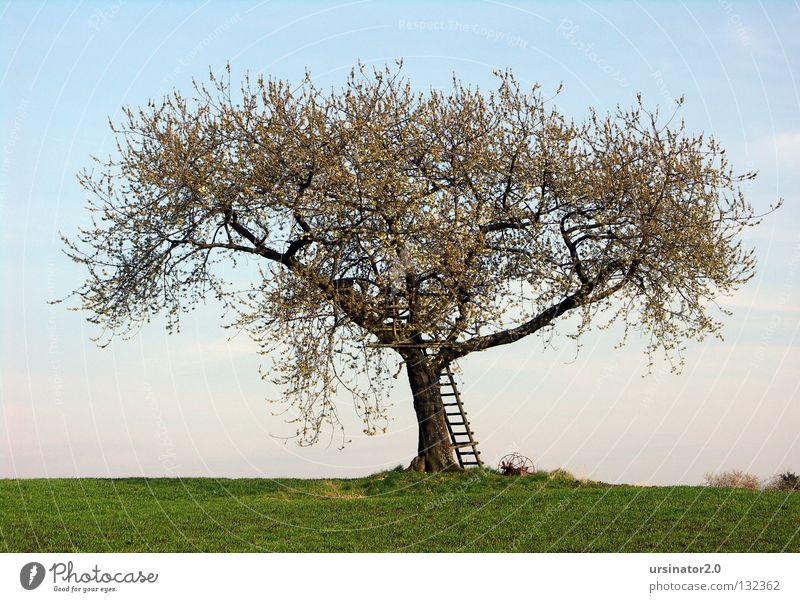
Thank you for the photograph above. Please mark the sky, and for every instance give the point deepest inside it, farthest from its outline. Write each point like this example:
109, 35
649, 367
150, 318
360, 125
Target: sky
193, 403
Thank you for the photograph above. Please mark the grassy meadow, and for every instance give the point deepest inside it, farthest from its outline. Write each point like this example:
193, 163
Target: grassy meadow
477, 511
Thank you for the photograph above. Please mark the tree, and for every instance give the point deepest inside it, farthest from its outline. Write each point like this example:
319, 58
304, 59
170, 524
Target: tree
391, 227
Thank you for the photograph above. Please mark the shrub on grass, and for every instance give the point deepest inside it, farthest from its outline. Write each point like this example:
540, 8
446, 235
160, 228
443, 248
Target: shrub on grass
736, 479
786, 481
559, 474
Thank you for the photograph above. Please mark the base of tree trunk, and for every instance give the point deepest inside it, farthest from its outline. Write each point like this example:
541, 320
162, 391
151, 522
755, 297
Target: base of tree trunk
432, 463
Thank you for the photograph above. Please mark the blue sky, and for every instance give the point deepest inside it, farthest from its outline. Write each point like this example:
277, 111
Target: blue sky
193, 404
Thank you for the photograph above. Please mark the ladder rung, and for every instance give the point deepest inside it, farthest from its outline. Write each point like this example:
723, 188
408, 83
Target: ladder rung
449, 394
458, 423
464, 434
470, 452
450, 404
470, 464
455, 414
465, 444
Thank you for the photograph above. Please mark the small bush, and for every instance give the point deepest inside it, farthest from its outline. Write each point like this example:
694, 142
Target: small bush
786, 481
559, 474
733, 478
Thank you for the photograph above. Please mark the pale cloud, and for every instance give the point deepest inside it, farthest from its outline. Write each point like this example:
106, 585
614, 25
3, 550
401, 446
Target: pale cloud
757, 303
781, 149
787, 144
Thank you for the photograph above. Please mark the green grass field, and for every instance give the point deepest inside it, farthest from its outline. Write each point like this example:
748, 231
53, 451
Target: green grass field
393, 511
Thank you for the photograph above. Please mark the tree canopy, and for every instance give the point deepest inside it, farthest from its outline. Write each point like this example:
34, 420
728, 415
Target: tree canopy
391, 224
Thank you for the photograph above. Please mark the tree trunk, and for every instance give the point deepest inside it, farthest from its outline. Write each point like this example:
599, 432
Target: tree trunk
434, 451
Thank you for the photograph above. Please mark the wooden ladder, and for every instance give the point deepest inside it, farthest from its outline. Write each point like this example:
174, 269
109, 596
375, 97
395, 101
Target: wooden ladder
464, 444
